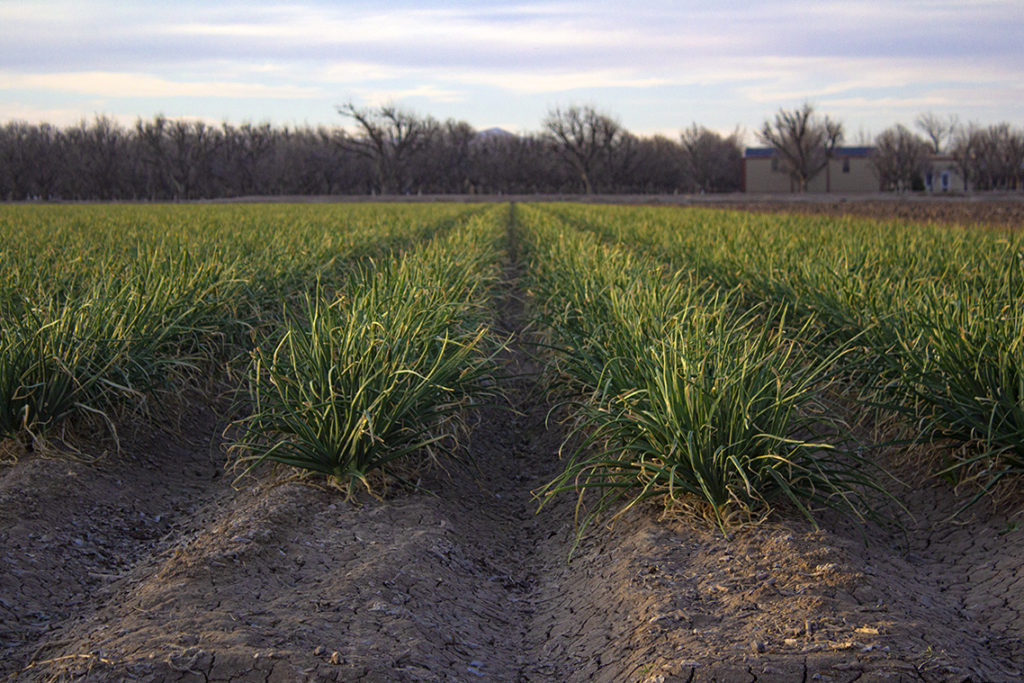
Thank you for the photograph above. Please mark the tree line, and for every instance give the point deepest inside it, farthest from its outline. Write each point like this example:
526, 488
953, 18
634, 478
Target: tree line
987, 157
388, 150
391, 151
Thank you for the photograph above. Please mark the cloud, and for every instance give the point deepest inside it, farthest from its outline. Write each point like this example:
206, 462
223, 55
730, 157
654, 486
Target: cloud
532, 82
914, 104
812, 78
317, 26
111, 84
1008, 98
358, 72
57, 116
427, 92
63, 117
657, 62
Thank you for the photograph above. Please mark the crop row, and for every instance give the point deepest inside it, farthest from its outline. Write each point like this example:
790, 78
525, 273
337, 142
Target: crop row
382, 368
932, 317
685, 392
701, 348
100, 306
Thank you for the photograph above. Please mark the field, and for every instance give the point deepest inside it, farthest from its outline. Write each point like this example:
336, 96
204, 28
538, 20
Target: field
526, 441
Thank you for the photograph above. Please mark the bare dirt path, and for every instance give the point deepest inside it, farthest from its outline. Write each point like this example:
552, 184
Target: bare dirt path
151, 567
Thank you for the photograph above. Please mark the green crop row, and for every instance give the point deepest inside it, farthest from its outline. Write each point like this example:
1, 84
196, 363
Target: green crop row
687, 393
704, 342
102, 305
383, 367
934, 315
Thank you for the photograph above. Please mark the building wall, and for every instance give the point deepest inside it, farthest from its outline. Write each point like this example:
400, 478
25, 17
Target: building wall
943, 176
759, 176
845, 174
849, 173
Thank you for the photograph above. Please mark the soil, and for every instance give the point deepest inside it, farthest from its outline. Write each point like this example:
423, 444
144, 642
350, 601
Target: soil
151, 565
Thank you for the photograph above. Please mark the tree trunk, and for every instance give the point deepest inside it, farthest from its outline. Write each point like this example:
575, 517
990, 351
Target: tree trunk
587, 187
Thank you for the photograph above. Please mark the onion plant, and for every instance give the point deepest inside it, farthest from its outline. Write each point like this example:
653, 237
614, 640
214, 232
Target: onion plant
688, 395
126, 335
959, 357
382, 369
931, 314
101, 305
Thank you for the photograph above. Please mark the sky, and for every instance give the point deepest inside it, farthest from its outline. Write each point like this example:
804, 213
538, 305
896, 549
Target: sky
657, 66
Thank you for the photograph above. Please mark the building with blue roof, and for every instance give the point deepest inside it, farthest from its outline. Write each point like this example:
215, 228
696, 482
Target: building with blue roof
849, 171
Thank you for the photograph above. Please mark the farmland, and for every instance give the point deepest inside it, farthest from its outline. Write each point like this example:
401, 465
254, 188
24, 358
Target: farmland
512, 442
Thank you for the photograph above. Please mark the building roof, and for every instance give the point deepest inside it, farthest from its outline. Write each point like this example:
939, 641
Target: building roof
854, 151
768, 152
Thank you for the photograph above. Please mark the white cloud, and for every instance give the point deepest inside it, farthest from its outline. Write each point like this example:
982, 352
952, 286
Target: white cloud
788, 80
1007, 97
112, 84
57, 116
63, 117
658, 62
532, 82
50, 12
358, 72
427, 92
317, 26
915, 104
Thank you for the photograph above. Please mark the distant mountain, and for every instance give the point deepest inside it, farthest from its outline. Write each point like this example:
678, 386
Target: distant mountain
495, 133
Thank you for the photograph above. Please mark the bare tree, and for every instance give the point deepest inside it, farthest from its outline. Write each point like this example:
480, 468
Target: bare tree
389, 137
314, 162
659, 167
804, 142
151, 147
95, 151
992, 156
502, 163
1013, 155
189, 149
964, 146
33, 161
620, 163
900, 158
937, 129
715, 163
443, 165
585, 137
988, 162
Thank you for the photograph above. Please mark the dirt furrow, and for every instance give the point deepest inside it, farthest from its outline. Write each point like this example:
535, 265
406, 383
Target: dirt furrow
69, 527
